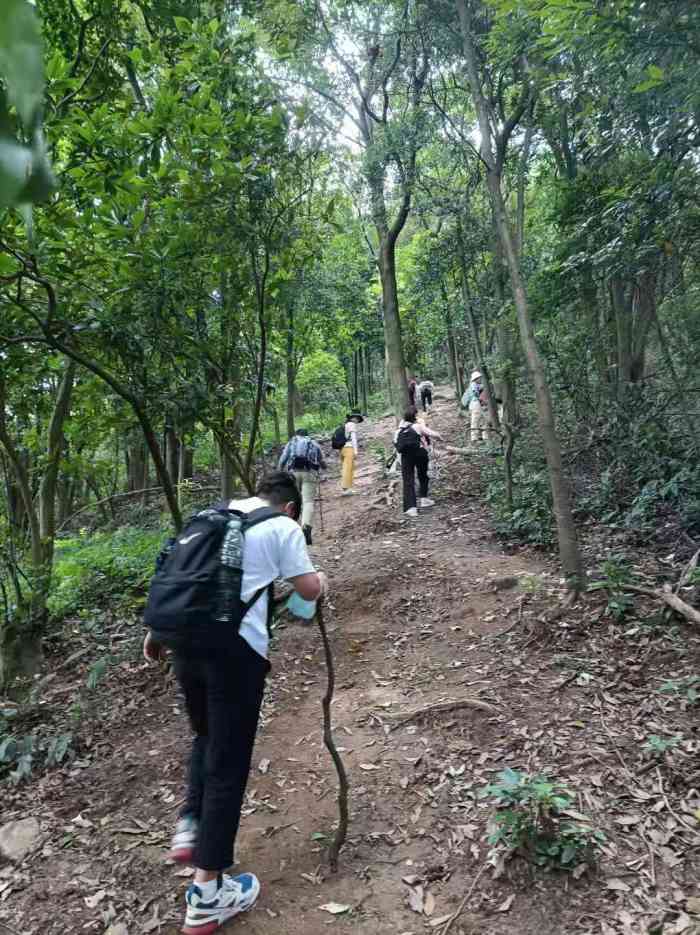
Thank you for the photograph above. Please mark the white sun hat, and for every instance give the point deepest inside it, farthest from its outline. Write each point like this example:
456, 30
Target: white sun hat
475, 375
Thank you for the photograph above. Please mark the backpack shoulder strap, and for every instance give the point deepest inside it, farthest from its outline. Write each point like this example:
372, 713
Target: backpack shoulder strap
260, 515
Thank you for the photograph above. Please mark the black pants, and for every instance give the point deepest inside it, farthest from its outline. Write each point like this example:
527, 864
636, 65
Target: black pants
426, 397
412, 463
223, 693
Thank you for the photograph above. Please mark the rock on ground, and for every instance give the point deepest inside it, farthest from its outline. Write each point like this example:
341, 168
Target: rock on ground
18, 838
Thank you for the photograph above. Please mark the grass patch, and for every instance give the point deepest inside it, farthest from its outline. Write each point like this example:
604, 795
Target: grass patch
92, 569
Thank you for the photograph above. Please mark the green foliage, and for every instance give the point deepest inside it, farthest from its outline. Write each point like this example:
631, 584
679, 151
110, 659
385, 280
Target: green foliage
90, 570
687, 688
97, 672
530, 821
25, 175
616, 574
321, 381
658, 746
531, 518
21, 754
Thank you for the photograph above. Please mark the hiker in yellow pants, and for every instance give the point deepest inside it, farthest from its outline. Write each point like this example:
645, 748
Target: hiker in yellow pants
348, 453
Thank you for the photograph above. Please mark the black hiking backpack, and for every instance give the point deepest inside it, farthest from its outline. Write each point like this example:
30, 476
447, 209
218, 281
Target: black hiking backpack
339, 439
194, 599
407, 440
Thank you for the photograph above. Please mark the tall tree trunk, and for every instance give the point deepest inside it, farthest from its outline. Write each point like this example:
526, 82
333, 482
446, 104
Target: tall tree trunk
291, 373
396, 363
455, 371
621, 301
476, 337
54, 450
22, 631
644, 320
490, 149
363, 378
228, 475
172, 452
185, 466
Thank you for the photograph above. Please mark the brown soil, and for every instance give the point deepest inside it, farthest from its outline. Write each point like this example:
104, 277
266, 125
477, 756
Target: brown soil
418, 615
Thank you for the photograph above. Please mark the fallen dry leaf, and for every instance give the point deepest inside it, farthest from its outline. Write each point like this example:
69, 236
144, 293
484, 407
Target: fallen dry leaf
415, 899
92, 901
264, 765
506, 904
429, 904
369, 766
619, 885
335, 909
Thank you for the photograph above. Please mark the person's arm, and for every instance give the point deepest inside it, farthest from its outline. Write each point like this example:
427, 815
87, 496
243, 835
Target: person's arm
295, 565
353, 439
424, 430
283, 457
321, 460
310, 586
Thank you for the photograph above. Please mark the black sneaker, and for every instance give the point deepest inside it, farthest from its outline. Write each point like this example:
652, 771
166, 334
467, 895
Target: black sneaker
307, 534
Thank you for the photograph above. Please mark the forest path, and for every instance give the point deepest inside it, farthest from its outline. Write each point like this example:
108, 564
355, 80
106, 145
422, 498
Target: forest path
417, 614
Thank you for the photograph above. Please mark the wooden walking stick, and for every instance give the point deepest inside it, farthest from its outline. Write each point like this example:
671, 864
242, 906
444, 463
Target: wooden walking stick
320, 502
342, 829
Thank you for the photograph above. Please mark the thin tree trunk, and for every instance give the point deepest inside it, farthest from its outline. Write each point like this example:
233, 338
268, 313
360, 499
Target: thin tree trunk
54, 449
172, 452
566, 529
291, 373
476, 338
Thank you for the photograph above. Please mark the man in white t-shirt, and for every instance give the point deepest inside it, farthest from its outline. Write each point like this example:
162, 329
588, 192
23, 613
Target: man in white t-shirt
223, 693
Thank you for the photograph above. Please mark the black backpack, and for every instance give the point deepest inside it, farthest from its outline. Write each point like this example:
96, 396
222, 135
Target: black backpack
339, 439
407, 440
194, 600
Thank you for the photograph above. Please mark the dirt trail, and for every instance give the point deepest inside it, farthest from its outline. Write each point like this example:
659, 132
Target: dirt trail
417, 612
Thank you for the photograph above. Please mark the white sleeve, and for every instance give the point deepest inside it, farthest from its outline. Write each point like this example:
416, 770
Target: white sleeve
293, 556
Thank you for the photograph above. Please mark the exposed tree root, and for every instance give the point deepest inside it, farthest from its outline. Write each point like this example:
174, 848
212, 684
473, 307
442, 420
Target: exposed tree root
440, 707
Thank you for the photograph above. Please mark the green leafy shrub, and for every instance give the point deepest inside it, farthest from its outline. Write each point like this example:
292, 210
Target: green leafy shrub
616, 574
21, 754
531, 519
321, 382
91, 569
657, 746
530, 822
687, 688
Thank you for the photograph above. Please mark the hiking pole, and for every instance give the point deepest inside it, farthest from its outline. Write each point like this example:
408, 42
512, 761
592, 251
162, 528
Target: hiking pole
342, 829
320, 503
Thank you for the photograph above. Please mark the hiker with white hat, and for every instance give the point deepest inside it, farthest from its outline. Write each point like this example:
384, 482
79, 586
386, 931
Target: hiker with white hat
474, 401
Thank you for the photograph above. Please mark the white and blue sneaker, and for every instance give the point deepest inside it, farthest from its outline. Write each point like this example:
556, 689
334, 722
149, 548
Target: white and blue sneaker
234, 895
184, 840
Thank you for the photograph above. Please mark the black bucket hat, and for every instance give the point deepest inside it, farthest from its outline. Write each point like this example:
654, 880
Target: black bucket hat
355, 415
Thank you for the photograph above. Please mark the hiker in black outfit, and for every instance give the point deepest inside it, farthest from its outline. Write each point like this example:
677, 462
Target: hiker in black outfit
411, 440
219, 634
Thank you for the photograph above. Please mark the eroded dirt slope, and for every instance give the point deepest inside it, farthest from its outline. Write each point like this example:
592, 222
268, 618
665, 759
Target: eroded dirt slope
424, 612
